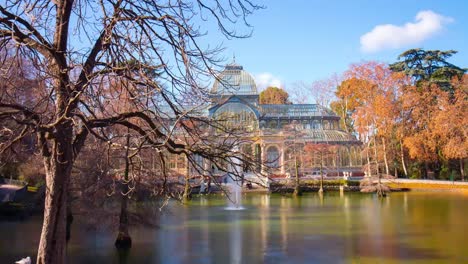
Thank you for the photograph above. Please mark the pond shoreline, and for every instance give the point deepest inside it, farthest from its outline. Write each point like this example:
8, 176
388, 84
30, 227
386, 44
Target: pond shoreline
395, 185
427, 185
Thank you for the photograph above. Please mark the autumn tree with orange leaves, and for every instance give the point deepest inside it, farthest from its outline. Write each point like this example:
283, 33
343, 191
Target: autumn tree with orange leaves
410, 116
450, 124
433, 111
436, 124
367, 102
348, 101
274, 95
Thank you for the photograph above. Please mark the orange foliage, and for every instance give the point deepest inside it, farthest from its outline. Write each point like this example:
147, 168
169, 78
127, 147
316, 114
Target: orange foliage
274, 95
430, 122
420, 104
371, 90
437, 121
450, 123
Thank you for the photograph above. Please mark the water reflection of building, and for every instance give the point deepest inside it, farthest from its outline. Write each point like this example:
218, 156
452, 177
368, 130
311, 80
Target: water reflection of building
277, 131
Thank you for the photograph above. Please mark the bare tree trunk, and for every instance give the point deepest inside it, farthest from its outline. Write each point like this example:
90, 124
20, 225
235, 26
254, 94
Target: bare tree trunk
368, 160
297, 189
335, 164
387, 171
69, 222
58, 166
377, 169
186, 195
380, 190
462, 171
344, 116
321, 173
403, 164
426, 170
124, 241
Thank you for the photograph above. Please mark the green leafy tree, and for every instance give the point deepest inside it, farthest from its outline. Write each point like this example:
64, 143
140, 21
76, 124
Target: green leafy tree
274, 95
428, 66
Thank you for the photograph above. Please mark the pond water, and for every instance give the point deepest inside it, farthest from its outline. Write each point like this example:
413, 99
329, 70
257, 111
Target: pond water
412, 227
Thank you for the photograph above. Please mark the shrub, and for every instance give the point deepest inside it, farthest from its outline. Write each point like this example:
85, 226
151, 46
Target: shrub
32, 171
331, 183
9, 170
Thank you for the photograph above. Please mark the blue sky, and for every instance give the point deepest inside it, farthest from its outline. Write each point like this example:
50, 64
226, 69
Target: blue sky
310, 40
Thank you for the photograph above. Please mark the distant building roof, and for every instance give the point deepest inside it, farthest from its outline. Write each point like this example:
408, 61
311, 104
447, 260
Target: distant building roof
328, 136
234, 80
294, 110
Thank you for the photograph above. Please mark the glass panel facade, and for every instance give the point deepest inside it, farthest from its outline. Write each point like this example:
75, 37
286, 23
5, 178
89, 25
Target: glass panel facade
273, 157
297, 110
234, 80
237, 116
235, 106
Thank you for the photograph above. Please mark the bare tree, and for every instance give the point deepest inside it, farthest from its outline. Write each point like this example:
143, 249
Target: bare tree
77, 48
295, 153
320, 153
299, 92
322, 91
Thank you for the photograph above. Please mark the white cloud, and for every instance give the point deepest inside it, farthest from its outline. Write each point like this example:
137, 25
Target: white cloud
265, 79
427, 23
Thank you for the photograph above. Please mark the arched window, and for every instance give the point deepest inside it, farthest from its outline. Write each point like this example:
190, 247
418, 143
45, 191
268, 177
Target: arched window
284, 124
356, 155
272, 124
315, 124
345, 156
272, 156
352, 156
237, 116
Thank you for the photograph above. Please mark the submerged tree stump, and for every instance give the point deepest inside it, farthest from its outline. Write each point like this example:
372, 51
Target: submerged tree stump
123, 241
369, 185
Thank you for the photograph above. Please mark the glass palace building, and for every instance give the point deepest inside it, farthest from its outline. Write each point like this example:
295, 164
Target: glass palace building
280, 133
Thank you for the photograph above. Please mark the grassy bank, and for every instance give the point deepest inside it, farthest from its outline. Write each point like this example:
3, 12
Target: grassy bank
428, 185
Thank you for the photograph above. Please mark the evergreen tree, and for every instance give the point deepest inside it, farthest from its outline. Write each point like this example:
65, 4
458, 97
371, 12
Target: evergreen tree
428, 66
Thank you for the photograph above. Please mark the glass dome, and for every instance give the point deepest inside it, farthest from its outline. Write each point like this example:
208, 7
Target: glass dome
234, 80
237, 116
